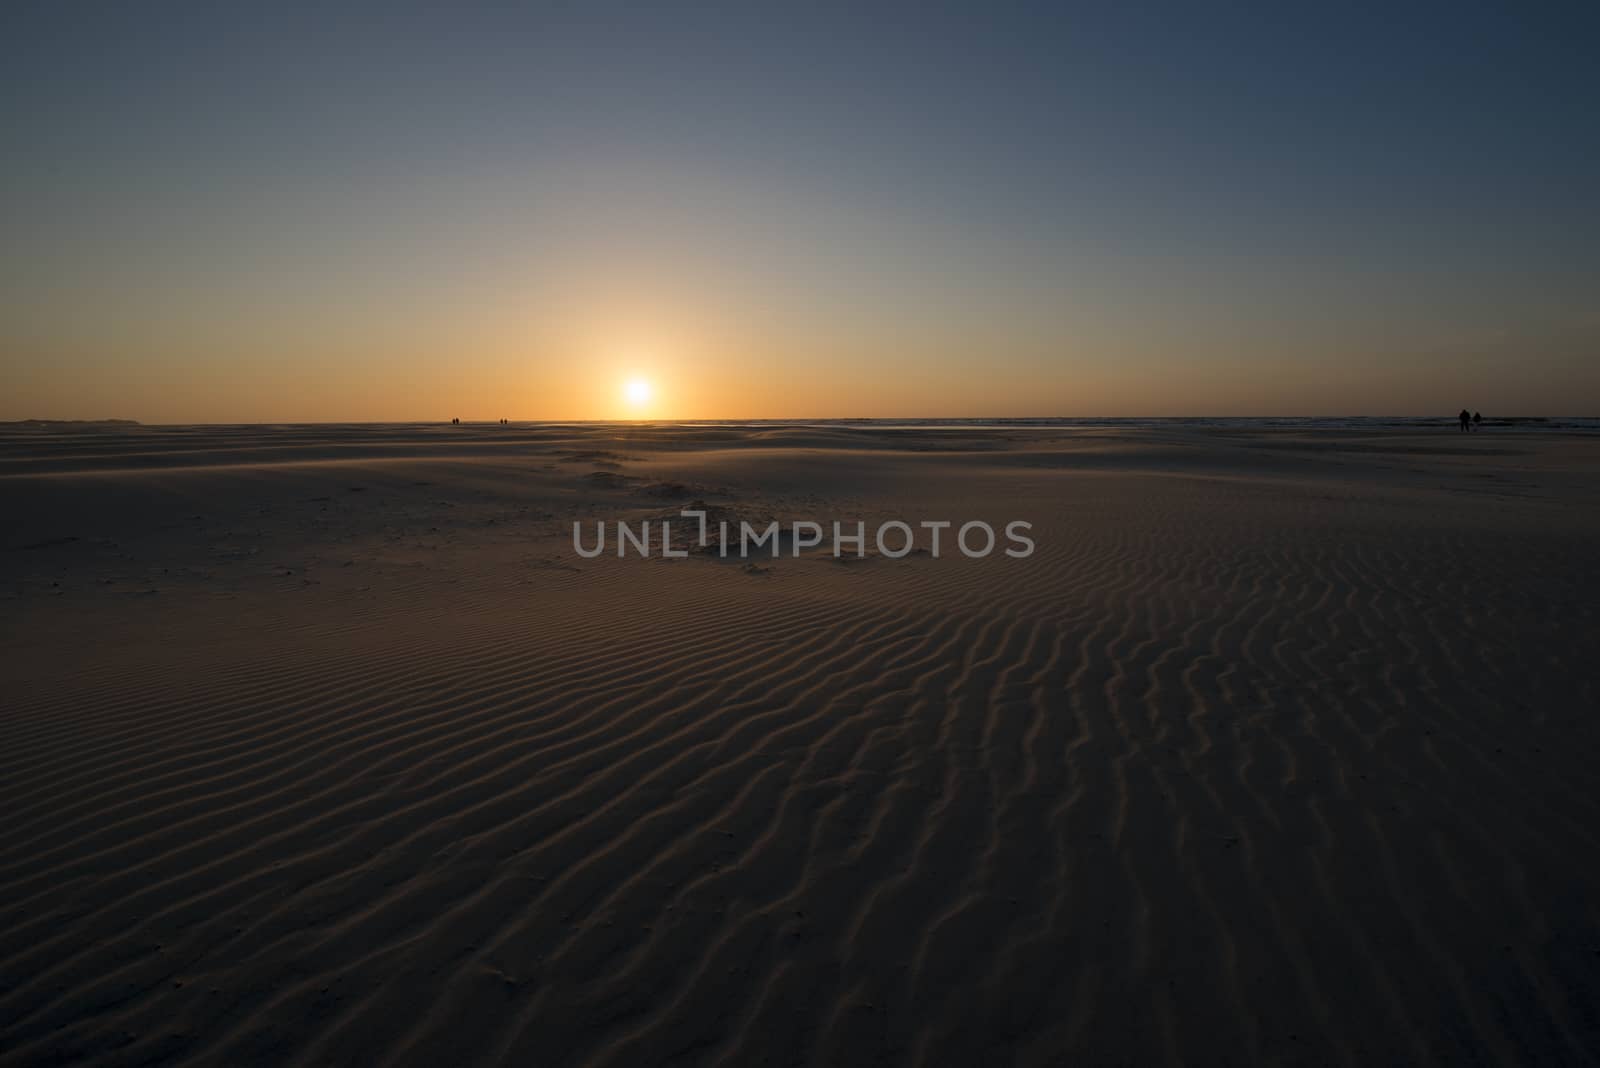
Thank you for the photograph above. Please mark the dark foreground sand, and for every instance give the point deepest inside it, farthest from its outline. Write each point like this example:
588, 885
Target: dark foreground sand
320, 746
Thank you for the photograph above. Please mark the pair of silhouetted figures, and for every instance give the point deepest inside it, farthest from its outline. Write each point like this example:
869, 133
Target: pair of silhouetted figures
1470, 421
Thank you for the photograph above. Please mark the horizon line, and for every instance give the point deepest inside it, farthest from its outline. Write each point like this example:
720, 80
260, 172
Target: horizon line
778, 420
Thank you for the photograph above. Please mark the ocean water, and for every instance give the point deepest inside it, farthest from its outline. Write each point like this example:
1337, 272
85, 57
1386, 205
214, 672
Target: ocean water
109, 428
1566, 424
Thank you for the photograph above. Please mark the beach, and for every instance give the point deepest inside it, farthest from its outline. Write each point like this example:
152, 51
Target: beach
323, 745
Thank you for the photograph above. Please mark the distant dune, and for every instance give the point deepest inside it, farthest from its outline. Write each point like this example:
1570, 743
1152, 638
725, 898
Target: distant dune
322, 746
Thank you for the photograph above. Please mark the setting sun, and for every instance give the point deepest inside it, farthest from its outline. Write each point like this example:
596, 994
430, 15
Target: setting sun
637, 391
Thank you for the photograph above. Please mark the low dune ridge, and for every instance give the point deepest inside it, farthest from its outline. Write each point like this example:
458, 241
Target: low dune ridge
321, 745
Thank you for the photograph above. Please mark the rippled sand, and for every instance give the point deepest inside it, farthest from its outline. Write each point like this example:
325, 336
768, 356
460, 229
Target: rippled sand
321, 746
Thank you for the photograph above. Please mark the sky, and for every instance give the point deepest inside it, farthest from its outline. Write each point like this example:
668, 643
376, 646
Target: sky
276, 213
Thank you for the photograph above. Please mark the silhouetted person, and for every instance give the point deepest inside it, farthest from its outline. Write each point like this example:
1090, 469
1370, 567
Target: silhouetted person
1465, 423
1477, 420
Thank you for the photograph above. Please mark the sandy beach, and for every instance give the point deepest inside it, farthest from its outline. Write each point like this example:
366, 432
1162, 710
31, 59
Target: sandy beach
321, 745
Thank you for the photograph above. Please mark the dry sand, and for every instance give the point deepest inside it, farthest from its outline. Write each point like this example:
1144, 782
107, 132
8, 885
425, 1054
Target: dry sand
321, 746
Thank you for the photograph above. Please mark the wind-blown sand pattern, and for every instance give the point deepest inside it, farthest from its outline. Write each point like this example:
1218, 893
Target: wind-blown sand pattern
321, 746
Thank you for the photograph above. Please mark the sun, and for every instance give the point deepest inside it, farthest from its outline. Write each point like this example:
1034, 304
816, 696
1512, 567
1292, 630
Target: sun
637, 391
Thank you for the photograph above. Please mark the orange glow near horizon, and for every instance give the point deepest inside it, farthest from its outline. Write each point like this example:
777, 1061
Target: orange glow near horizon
634, 348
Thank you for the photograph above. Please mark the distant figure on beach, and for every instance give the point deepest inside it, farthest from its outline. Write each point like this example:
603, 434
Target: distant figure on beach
1477, 420
457, 422
1465, 418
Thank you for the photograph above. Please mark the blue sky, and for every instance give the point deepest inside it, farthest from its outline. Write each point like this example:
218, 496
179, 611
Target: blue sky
219, 212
